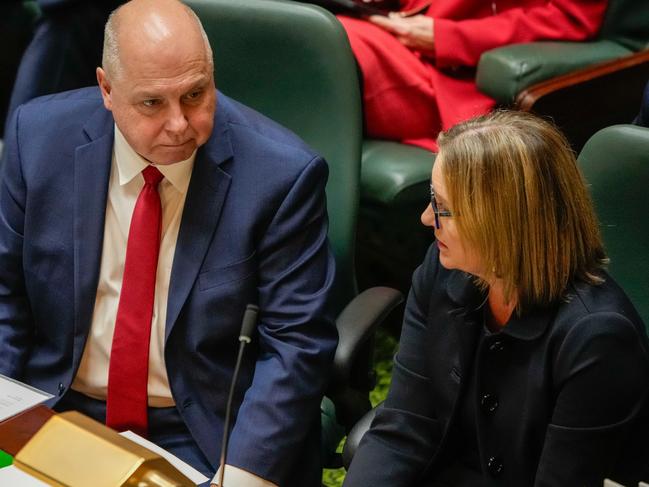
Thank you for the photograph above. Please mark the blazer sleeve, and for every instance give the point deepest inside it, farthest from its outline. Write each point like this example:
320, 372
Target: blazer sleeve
16, 324
462, 42
297, 335
404, 434
601, 375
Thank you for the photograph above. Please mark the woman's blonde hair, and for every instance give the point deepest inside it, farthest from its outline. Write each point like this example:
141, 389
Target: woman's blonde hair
520, 200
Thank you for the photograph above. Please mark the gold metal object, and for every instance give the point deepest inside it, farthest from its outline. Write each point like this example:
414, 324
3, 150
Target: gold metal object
73, 450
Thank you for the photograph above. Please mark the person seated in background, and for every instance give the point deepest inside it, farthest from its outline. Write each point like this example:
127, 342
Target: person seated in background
137, 221
419, 70
65, 49
521, 361
643, 116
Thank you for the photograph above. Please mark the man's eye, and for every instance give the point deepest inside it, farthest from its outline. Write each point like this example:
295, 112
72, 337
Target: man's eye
149, 103
194, 95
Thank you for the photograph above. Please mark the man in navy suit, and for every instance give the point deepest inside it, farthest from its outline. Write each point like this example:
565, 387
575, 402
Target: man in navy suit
241, 218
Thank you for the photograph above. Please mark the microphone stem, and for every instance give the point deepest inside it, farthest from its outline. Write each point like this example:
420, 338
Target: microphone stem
228, 412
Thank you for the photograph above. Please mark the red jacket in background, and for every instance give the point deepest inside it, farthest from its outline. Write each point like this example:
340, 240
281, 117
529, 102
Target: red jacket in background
410, 96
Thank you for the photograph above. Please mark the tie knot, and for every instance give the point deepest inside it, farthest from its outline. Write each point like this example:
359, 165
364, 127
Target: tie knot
152, 176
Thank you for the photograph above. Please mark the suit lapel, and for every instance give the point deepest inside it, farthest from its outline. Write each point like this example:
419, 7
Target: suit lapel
92, 164
206, 194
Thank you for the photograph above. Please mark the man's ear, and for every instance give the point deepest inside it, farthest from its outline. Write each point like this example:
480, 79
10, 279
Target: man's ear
104, 86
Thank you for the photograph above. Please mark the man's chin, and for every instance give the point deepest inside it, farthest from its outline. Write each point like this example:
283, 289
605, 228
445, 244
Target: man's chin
172, 154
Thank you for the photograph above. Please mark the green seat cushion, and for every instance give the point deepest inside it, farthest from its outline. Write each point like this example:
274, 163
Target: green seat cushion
394, 173
506, 71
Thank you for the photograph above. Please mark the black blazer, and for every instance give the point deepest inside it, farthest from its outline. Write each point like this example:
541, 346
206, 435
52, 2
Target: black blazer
569, 384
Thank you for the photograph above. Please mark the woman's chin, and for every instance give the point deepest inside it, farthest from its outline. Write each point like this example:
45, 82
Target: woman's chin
446, 262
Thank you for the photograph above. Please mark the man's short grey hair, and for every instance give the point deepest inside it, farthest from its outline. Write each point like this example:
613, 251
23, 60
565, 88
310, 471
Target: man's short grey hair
110, 56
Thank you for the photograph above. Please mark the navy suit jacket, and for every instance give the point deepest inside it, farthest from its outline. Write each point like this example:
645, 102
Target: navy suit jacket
253, 230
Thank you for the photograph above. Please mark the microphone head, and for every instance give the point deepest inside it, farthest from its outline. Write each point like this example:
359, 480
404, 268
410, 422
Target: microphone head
249, 323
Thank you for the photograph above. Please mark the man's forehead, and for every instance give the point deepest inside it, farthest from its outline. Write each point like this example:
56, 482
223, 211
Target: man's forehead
182, 47
184, 83
165, 60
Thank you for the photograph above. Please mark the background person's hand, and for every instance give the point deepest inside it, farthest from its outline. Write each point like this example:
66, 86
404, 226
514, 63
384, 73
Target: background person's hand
415, 32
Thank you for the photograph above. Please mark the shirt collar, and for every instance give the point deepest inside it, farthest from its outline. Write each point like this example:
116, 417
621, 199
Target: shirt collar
130, 164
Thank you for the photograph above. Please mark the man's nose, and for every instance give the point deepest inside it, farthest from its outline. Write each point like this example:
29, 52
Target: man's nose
176, 122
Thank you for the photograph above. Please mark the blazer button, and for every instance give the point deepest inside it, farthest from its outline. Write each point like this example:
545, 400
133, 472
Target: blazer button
495, 466
497, 346
489, 403
61, 389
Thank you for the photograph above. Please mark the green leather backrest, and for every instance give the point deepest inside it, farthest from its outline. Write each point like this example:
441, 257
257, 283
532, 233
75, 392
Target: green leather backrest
293, 63
615, 162
627, 23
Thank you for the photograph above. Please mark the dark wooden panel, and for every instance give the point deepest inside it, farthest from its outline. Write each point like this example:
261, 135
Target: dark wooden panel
16, 431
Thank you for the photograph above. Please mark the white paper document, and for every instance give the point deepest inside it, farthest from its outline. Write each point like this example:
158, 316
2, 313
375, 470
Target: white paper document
187, 470
14, 477
16, 397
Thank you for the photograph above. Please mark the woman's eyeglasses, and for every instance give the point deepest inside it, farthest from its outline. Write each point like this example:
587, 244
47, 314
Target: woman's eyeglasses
436, 209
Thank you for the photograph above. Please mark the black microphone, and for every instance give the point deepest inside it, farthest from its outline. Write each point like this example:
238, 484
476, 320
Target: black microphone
247, 328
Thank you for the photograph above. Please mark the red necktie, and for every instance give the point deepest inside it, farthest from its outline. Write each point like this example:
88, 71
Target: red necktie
126, 402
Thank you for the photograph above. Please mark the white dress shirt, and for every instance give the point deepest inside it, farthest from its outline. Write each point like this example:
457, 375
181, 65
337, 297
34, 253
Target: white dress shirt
125, 184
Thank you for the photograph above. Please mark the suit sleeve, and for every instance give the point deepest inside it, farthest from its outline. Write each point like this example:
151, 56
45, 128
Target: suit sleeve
601, 375
462, 42
16, 325
404, 435
297, 335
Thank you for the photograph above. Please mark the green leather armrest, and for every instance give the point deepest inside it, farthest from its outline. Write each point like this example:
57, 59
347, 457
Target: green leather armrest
394, 173
506, 71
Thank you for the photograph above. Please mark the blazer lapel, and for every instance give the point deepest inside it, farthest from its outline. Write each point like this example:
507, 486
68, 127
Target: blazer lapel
92, 164
207, 190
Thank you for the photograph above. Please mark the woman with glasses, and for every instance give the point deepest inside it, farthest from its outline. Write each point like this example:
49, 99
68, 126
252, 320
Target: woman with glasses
521, 362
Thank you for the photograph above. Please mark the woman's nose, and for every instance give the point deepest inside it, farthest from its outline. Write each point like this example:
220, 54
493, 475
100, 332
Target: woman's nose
428, 217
